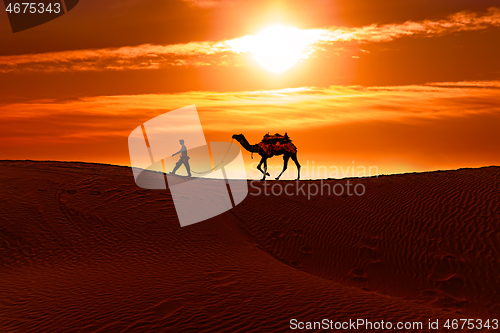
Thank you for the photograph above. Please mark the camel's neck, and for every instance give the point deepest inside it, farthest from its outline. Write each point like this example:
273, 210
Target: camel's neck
244, 143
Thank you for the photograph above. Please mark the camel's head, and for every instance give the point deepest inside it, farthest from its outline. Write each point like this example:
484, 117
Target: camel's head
237, 137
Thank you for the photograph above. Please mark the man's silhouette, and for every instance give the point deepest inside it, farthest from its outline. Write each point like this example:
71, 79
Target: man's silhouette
183, 160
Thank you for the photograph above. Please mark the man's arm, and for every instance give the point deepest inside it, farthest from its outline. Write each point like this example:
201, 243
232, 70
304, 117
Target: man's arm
177, 153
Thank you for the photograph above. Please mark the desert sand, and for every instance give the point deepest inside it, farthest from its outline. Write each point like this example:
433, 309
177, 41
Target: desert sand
84, 249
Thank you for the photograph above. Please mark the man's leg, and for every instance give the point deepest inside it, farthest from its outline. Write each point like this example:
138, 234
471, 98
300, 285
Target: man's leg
186, 163
177, 166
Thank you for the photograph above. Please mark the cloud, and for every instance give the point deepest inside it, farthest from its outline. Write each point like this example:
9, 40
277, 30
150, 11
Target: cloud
467, 84
145, 56
228, 52
266, 110
207, 3
463, 21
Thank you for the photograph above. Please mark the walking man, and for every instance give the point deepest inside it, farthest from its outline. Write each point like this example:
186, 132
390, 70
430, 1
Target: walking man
184, 159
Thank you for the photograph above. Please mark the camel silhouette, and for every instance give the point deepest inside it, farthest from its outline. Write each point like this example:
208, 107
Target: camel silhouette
257, 149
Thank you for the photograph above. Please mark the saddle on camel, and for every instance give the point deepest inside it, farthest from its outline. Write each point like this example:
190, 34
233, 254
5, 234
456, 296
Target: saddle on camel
276, 144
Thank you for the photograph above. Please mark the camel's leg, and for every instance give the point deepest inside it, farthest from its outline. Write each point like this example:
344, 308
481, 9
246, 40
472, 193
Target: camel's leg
260, 163
265, 170
263, 161
286, 157
294, 158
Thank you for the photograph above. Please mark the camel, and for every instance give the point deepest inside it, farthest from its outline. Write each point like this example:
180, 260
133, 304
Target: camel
257, 149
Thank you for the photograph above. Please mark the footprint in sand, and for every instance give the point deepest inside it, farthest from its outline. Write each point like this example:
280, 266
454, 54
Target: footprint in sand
368, 249
368, 253
306, 249
446, 302
298, 232
452, 285
358, 275
429, 295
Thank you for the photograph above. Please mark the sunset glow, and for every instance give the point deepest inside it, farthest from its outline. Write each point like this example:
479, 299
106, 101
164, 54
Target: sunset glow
396, 88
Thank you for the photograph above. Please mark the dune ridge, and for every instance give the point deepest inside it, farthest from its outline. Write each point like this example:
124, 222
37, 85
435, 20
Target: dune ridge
84, 249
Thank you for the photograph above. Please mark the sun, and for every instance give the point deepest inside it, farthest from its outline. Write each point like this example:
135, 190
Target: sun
277, 47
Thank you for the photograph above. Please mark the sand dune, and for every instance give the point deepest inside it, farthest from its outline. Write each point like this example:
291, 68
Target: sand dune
84, 249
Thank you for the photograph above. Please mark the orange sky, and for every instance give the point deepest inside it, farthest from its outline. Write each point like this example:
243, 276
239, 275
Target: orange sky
404, 87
